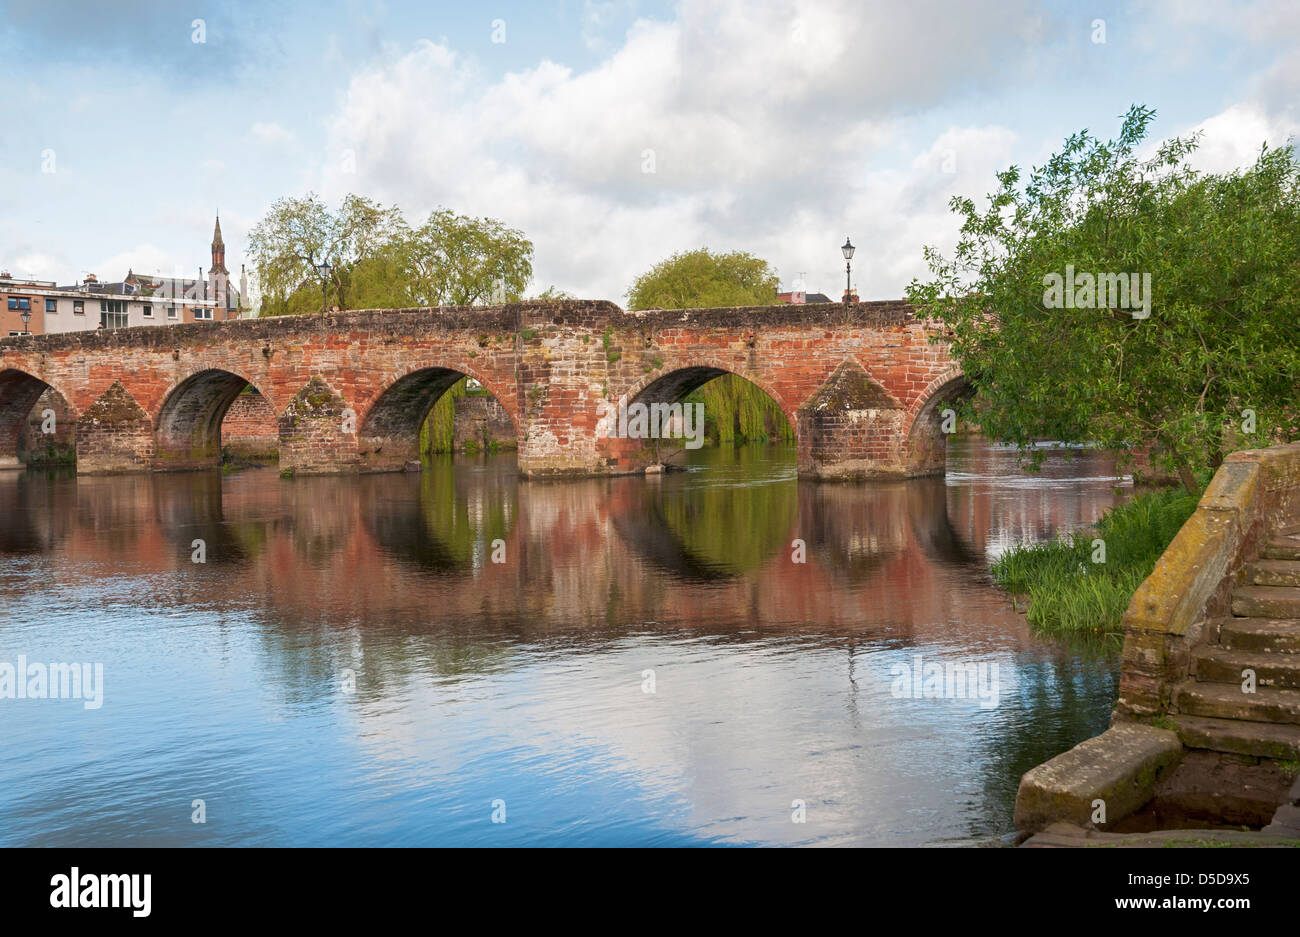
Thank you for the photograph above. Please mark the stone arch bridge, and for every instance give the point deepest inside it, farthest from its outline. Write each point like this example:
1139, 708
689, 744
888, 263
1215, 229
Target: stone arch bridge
862, 384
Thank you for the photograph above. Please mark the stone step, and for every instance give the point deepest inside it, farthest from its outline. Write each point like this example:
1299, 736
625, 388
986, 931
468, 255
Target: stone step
1226, 701
1274, 573
1239, 737
1272, 635
1216, 664
1266, 602
1283, 547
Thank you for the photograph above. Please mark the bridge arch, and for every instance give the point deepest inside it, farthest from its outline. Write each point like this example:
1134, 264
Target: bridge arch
389, 428
926, 445
187, 426
675, 381
20, 440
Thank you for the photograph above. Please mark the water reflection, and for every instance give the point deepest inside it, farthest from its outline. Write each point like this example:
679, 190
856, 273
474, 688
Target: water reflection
526, 680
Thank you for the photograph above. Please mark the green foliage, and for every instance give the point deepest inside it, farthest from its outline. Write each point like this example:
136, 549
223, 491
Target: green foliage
438, 432
737, 411
1069, 592
551, 293
1225, 285
455, 260
296, 234
380, 261
699, 278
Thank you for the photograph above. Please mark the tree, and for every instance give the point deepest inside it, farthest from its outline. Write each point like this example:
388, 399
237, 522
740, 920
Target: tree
700, 278
379, 261
1126, 303
297, 234
455, 260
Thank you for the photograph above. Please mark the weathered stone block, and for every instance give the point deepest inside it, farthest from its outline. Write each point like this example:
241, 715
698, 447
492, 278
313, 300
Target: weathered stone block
1120, 767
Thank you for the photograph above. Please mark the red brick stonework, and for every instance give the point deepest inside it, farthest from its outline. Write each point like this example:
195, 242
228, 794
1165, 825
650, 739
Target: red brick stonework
863, 385
251, 429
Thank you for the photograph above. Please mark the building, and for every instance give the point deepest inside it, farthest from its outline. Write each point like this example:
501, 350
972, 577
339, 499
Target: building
798, 296
134, 300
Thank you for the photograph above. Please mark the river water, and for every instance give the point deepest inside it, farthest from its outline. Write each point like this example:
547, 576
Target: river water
647, 663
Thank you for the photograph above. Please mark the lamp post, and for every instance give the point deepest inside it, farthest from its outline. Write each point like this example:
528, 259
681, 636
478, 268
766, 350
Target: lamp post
847, 251
26, 317
324, 268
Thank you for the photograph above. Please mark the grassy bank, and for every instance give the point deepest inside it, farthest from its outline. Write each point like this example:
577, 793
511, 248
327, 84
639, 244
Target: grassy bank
1069, 590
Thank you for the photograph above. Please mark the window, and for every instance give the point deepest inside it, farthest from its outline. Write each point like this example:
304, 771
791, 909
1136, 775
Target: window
20, 302
171, 312
112, 314
51, 306
202, 314
79, 306
148, 310
12, 333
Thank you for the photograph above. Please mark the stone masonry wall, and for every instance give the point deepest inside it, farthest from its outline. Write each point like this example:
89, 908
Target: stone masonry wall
250, 429
481, 421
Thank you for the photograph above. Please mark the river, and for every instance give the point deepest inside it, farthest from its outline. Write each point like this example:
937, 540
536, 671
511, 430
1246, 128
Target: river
459, 657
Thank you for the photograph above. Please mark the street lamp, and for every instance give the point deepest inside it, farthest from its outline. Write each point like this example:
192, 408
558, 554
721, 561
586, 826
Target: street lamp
26, 317
324, 268
847, 251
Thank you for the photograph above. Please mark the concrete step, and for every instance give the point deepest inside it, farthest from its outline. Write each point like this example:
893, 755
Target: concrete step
1239, 737
1273, 573
1283, 547
1266, 602
1226, 701
1271, 635
1217, 664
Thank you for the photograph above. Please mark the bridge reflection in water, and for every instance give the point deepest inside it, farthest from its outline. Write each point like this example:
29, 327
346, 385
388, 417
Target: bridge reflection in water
525, 681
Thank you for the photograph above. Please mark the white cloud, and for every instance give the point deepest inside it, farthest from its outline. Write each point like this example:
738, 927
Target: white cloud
771, 129
34, 264
1232, 138
271, 134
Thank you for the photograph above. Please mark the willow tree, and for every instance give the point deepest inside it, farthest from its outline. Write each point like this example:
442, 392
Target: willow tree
378, 260
700, 278
1129, 303
298, 234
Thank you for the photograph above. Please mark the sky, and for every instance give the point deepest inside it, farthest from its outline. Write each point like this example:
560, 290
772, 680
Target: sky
613, 134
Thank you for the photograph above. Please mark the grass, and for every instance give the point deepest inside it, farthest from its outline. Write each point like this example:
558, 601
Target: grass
1069, 591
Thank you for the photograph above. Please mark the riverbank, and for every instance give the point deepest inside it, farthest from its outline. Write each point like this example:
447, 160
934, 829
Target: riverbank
1083, 583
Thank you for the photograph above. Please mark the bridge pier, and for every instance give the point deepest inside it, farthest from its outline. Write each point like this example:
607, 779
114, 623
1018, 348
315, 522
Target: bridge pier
853, 428
318, 433
114, 434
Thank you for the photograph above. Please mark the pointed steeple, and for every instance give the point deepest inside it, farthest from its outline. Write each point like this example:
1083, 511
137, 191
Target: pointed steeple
218, 251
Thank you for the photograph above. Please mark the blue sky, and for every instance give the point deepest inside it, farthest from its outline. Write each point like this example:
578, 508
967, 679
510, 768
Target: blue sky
613, 133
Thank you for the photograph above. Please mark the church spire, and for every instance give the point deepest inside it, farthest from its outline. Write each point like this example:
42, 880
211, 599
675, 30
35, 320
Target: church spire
218, 251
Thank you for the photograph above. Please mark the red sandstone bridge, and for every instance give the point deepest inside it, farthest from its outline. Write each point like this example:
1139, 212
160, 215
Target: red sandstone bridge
861, 384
